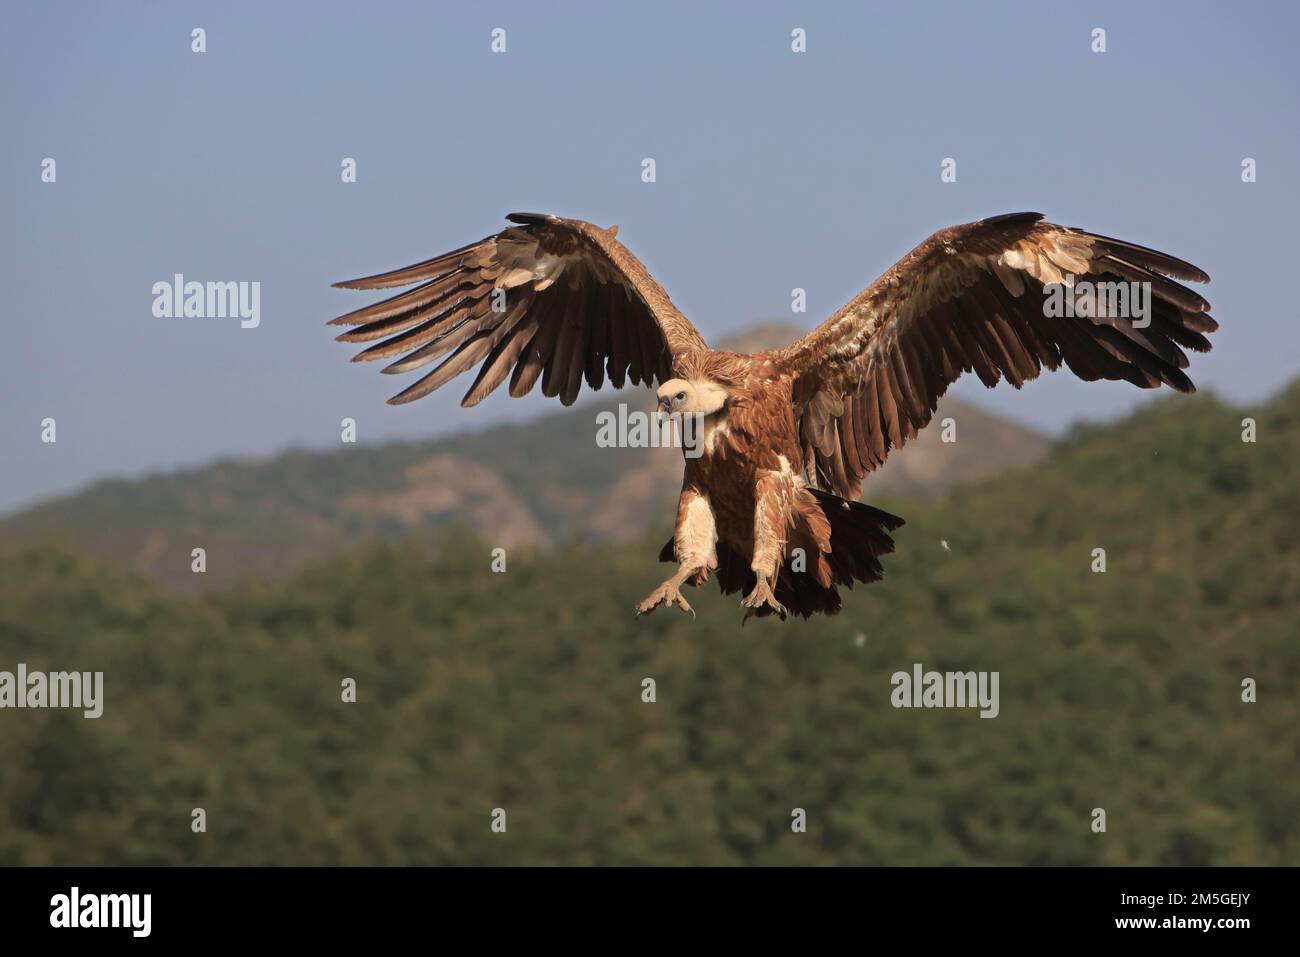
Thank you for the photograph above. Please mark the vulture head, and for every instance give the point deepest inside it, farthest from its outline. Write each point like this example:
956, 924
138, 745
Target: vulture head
679, 397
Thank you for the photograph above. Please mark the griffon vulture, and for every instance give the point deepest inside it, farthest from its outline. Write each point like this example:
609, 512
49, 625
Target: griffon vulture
788, 434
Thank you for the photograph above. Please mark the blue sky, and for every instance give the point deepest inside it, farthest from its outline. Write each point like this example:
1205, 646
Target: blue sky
775, 170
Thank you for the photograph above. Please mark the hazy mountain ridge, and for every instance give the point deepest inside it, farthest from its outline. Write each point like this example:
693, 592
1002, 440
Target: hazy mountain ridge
539, 484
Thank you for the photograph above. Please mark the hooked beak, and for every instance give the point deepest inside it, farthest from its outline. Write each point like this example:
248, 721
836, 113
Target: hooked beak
665, 404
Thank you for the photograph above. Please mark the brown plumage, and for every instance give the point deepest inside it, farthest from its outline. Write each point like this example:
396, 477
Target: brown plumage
787, 435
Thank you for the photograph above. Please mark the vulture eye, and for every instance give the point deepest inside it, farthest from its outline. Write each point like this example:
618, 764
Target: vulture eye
681, 396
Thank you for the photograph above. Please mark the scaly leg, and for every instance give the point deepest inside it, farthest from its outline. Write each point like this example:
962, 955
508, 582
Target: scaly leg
695, 543
771, 494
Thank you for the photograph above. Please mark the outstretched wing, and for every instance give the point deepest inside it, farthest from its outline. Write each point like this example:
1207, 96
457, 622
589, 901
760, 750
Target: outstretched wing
987, 296
553, 298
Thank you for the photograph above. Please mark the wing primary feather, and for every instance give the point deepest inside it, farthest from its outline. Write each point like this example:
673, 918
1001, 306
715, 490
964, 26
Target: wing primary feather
920, 369
557, 367
1152, 259
888, 406
438, 342
436, 330
597, 345
498, 365
967, 329
538, 353
430, 268
465, 356
1188, 300
909, 392
878, 446
571, 383
413, 300
616, 365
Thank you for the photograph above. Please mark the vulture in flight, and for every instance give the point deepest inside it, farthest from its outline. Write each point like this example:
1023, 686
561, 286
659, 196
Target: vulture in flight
769, 503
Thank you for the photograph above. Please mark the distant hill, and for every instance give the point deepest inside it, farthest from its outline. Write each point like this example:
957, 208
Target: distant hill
539, 484
1120, 690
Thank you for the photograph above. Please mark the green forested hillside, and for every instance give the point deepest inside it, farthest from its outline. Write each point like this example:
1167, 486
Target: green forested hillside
522, 690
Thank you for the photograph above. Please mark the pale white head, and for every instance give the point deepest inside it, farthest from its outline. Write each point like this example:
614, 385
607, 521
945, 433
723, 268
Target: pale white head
699, 397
